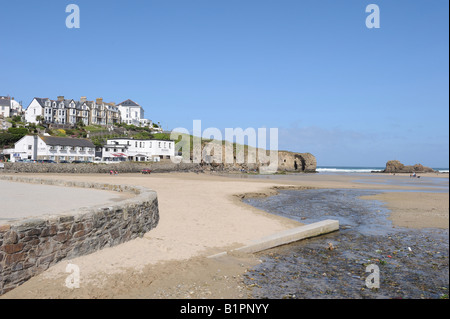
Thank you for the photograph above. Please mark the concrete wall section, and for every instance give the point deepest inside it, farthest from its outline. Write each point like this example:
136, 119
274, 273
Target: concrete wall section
29, 247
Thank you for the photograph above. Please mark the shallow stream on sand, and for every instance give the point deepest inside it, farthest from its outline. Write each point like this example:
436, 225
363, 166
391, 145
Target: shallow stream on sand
412, 263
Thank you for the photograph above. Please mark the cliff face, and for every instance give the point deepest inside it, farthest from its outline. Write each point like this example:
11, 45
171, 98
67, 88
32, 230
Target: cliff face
296, 162
287, 161
397, 167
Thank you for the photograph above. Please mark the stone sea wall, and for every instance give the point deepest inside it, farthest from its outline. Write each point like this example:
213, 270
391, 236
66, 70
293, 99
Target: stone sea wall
91, 168
29, 247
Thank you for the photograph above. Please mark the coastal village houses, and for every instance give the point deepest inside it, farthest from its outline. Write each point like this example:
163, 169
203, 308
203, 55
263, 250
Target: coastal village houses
71, 112
62, 149
132, 113
52, 148
9, 107
137, 150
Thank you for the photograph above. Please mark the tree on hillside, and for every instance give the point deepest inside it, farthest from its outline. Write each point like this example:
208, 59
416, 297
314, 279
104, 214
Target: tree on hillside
40, 119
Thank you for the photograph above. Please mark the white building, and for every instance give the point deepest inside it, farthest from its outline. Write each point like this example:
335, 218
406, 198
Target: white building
121, 149
5, 106
4, 124
38, 107
132, 113
59, 111
9, 107
53, 148
16, 108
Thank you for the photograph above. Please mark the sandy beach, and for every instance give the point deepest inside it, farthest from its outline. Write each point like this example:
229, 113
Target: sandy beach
202, 214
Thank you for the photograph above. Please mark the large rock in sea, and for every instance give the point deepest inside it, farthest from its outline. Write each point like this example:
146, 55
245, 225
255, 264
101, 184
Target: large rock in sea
397, 167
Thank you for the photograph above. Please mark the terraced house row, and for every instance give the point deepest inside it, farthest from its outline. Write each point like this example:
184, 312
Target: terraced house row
69, 111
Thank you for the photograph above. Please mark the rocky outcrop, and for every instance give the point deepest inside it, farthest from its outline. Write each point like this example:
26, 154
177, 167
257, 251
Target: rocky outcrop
397, 167
229, 157
296, 162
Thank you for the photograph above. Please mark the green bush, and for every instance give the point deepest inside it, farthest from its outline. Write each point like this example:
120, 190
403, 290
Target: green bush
18, 131
16, 118
8, 139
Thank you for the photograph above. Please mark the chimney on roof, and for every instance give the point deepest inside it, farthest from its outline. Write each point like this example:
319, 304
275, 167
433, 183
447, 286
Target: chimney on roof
60, 98
99, 100
83, 99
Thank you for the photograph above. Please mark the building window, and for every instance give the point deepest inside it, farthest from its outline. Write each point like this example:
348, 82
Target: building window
29, 147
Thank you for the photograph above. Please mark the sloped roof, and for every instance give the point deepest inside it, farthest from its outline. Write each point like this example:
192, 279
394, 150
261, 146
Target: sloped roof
41, 101
5, 101
128, 103
66, 141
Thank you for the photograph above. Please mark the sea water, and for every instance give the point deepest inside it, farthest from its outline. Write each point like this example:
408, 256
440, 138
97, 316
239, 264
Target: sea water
359, 169
348, 169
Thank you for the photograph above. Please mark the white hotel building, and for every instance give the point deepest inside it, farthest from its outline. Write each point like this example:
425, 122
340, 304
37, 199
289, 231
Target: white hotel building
123, 149
52, 148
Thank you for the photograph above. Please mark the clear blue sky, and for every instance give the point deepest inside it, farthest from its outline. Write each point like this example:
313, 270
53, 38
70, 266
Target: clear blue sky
345, 93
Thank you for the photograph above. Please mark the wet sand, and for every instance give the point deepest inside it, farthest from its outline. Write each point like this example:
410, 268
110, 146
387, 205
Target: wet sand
200, 214
416, 210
